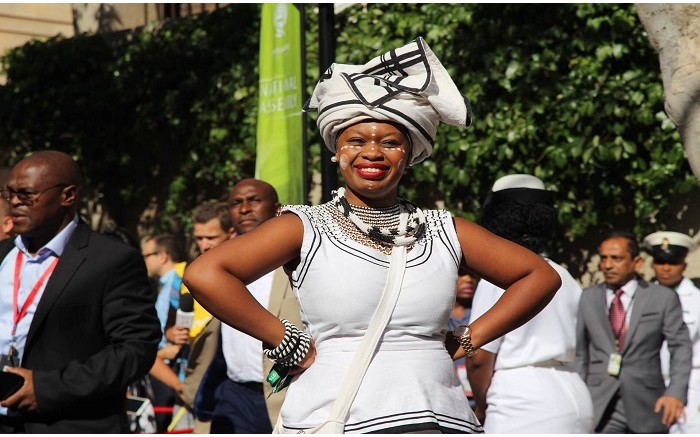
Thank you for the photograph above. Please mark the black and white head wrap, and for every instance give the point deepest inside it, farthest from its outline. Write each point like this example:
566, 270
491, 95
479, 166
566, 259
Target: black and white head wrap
407, 85
411, 225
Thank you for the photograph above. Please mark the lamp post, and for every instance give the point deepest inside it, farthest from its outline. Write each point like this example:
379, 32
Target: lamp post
326, 34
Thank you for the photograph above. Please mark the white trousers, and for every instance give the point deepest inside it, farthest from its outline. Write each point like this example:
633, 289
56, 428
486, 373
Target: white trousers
538, 400
691, 425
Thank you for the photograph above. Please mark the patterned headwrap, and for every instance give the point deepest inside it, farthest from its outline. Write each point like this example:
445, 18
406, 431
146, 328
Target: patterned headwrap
408, 86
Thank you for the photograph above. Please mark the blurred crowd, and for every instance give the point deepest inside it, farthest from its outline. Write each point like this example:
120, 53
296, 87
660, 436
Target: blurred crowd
545, 376
363, 314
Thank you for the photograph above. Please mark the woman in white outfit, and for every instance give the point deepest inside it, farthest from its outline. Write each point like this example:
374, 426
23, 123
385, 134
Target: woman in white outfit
669, 251
524, 382
378, 119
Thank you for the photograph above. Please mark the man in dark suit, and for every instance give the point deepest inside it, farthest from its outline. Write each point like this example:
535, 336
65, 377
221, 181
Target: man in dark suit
620, 329
83, 325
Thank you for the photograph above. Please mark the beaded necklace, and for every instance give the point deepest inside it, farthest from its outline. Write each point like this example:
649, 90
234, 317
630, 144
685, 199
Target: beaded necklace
397, 225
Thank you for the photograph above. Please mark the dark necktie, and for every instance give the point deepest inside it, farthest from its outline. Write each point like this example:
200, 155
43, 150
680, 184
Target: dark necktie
617, 320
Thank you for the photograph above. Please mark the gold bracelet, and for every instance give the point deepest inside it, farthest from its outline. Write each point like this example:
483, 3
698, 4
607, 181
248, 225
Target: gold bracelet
464, 337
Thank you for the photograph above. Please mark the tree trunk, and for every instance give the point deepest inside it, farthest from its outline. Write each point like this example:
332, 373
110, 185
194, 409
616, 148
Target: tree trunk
674, 31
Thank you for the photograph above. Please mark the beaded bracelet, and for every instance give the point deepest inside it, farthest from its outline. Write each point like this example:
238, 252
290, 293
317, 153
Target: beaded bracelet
299, 352
293, 348
288, 343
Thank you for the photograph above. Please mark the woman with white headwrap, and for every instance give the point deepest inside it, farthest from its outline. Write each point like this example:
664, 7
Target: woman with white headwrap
378, 119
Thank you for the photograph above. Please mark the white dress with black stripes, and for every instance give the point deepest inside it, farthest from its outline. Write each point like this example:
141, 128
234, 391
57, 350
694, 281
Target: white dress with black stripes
410, 385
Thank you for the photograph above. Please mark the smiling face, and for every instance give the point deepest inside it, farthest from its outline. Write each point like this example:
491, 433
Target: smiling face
372, 156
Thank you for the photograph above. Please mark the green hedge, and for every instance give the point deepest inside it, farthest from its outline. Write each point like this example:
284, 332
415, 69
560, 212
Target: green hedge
164, 114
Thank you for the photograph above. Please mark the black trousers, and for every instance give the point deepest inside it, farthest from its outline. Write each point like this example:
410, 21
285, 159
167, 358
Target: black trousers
11, 425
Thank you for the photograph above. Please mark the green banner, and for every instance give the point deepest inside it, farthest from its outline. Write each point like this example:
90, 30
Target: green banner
279, 130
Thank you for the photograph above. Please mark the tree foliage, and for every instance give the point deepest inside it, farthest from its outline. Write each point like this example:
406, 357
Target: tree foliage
162, 116
570, 93
166, 115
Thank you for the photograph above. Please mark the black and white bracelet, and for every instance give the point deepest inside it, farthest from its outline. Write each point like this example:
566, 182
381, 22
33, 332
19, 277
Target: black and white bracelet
288, 343
293, 348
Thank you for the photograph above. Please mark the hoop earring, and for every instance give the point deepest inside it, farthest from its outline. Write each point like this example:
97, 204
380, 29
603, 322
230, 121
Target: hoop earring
334, 159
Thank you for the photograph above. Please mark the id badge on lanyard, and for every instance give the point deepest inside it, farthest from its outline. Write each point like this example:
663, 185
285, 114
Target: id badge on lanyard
10, 359
19, 312
614, 364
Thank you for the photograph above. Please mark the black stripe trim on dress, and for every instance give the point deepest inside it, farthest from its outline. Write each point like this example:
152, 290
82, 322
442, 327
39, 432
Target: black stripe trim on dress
411, 415
422, 257
437, 420
314, 246
418, 427
313, 250
456, 256
357, 252
417, 259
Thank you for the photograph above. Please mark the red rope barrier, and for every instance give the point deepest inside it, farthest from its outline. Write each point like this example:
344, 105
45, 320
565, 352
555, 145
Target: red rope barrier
162, 410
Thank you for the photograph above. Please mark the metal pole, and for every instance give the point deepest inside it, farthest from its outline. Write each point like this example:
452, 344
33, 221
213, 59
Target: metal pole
304, 97
326, 42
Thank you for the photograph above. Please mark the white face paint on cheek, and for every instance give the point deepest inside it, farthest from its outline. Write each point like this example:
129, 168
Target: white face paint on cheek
343, 162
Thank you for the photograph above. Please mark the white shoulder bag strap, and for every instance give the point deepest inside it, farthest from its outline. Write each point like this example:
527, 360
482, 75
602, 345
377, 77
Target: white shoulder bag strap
335, 423
375, 330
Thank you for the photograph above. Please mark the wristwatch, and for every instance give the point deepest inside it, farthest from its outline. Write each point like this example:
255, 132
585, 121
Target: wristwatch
464, 337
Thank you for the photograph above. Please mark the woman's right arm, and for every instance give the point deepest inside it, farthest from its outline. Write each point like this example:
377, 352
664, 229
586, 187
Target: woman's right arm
218, 278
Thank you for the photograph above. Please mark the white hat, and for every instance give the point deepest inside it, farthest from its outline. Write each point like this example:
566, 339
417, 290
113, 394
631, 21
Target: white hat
518, 181
407, 85
520, 188
667, 246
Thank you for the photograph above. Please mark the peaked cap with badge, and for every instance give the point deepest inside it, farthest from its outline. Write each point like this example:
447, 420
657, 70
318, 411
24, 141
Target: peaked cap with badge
668, 247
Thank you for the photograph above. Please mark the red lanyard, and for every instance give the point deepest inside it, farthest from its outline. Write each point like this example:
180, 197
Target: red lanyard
18, 314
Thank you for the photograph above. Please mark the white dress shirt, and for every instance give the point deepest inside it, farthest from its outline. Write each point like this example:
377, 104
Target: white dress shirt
243, 353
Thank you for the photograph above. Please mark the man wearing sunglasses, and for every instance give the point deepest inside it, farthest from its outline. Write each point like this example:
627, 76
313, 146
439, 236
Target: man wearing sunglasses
669, 251
77, 316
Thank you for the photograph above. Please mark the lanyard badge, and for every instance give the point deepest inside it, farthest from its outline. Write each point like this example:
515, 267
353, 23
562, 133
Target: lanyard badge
11, 359
614, 364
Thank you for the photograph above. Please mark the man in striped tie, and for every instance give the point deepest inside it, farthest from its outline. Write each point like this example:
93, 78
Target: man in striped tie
621, 326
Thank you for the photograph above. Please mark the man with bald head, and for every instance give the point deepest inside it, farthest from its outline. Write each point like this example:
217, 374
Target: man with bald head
242, 403
77, 315
251, 203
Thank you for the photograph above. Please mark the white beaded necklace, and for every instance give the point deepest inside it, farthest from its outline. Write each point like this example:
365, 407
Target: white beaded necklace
398, 225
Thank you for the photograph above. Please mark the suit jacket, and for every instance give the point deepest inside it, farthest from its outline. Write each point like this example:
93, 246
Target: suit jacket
94, 332
209, 356
656, 315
